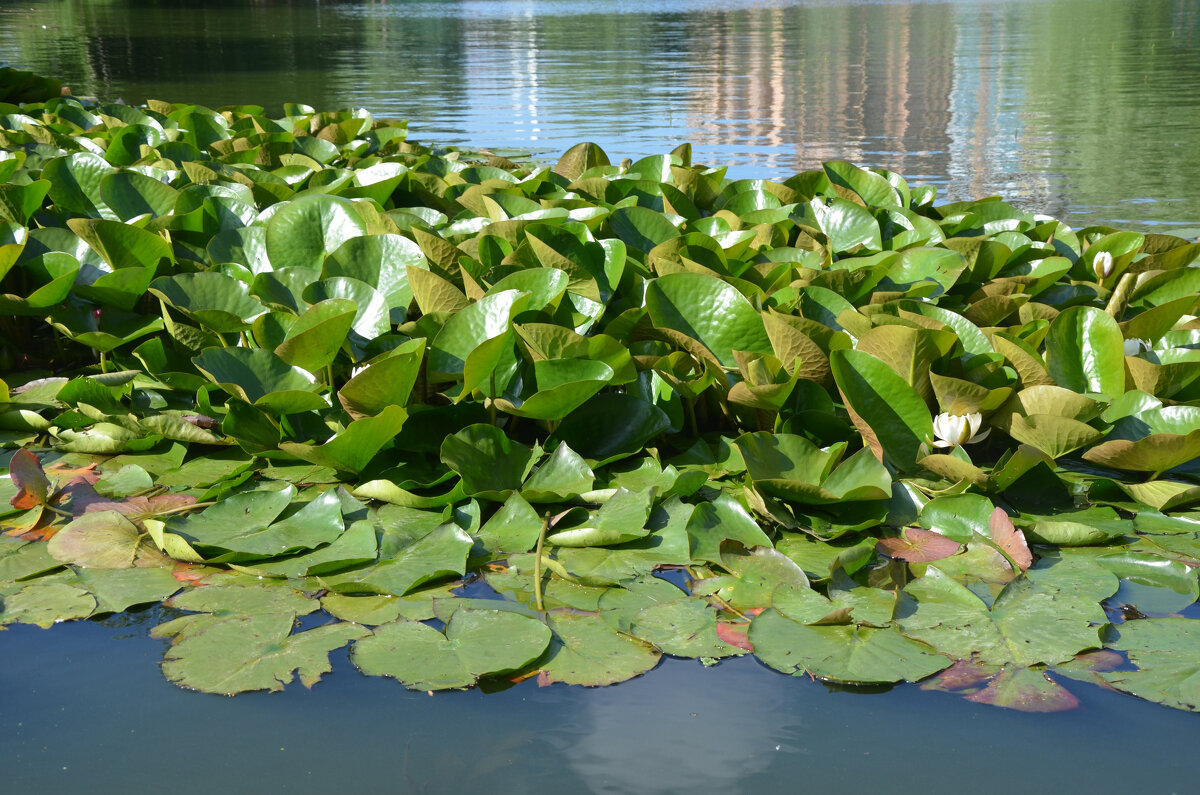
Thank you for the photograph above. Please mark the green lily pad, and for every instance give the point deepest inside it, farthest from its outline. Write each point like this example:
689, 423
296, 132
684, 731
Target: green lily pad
1025, 626
104, 540
851, 654
1166, 652
476, 643
45, 604
710, 311
305, 231
253, 652
587, 651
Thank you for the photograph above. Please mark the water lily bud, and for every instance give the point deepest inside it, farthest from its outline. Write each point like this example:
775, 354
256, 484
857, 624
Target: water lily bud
1135, 346
1102, 265
951, 430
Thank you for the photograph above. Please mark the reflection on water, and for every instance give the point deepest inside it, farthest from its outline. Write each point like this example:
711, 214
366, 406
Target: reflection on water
84, 708
1083, 108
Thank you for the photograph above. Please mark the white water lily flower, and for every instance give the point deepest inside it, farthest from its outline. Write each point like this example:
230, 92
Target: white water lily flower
950, 430
1102, 265
1135, 346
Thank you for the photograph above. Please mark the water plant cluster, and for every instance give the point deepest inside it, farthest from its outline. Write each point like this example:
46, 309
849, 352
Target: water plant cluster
312, 385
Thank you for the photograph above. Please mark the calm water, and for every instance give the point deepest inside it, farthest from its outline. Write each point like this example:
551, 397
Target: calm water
84, 708
1088, 109
1083, 108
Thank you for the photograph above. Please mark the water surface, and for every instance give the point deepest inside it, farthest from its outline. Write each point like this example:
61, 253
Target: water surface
84, 707
1087, 109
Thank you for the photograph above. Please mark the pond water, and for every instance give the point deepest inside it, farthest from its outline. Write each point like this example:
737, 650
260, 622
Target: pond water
84, 707
1087, 109
1084, 109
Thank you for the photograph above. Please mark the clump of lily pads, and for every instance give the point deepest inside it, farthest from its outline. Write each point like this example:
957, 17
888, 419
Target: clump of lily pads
484, 419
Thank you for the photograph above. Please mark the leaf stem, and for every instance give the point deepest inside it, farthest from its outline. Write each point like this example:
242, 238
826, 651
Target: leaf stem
492, 398
537, 566
718, 601
193, 506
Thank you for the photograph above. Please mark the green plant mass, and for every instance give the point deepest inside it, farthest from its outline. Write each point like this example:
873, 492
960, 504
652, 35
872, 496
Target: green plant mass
481, 419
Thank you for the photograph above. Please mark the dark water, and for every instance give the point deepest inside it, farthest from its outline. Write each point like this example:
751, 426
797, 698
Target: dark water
1088, 109
1083, 108
84, 708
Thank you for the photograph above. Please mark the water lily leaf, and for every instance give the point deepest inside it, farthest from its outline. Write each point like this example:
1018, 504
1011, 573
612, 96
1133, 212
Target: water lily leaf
103, 540
130, 194
372, 319
1084, 351
1025, 626
318, 522
1063, 571
374, 610
116, 590
612, 425
303, 232
890, 414
441, 553
355, 547
515, 527
544, 285
387, 381
234, 517
1025, 690
709, 310
1154, 584
918, 545
352, 449
18, 203
1157, 452
381, 261
795, 469
262, 378
1161, 495
563, 386
253, 652
685, 627
718, 520
847, 225
477, 643
563, 476
214, 300
622, 518
313, 341
666, 545
75, 183
129, 479
1009, 540
841, 653
488, 317
121, 245
873, 189
587, 651
759, 570
33, 487
1094, 525
45, 604
1166, 652
491, 465
1054, 436
580, 158
641, 228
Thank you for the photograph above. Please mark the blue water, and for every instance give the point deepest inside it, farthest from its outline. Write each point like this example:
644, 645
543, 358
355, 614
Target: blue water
84, 708
1084, 109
